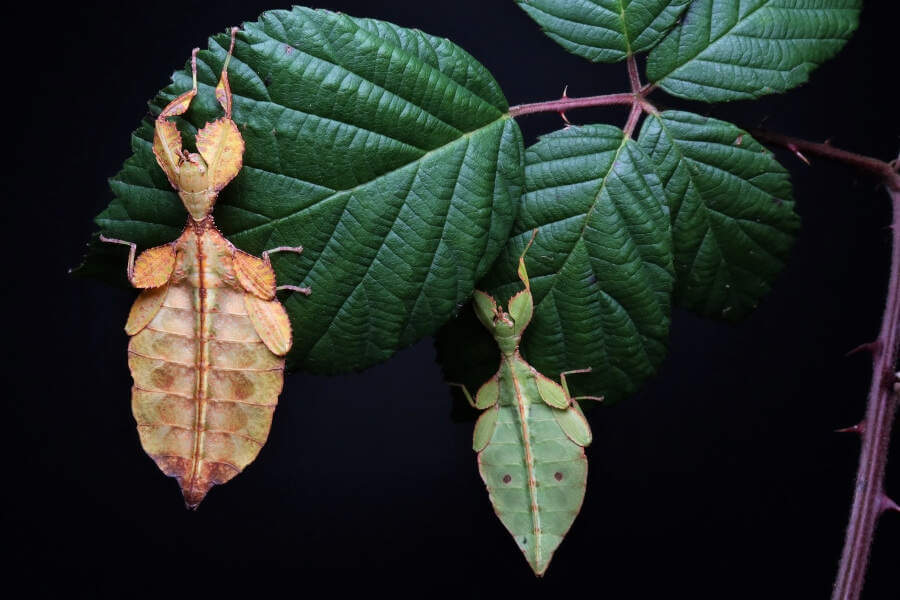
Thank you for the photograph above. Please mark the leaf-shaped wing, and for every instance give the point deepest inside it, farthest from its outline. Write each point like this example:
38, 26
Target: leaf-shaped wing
727, 50
387, 153
539, 514
601, 265
605, 30
733, 219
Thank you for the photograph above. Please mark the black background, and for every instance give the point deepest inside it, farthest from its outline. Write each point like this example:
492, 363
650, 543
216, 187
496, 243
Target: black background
722, 479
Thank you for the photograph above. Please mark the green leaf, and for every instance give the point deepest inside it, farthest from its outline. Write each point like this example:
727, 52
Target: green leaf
605, 30
387, 153
729, 50
601, 264
733, 220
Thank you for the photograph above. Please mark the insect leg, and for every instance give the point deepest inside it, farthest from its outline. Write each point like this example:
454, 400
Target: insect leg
295, 249
465, 392
129, 268
179, 105
295, 288
166, 138
562, 379
223, 89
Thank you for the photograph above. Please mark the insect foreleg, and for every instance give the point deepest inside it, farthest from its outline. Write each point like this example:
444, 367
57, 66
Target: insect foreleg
179, 105
562, 379
129, 268
223, 88
465, 392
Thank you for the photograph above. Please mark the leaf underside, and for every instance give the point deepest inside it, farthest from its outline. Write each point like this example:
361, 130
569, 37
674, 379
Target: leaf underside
385, 152
725, 50
605, 30
733, 219
601, 265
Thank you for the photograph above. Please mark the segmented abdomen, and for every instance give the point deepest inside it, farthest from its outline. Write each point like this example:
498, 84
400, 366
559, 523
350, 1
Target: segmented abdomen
205, 387
559, 468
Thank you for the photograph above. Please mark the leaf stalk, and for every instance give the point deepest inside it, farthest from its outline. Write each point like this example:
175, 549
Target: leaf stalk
566, 103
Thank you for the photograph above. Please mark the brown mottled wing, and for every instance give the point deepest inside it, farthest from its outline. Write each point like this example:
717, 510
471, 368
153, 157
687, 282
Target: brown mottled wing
145, 308
271, 323
203, 400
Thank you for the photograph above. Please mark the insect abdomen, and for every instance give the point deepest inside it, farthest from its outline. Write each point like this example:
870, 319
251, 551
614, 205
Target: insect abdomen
205, 387
560, 473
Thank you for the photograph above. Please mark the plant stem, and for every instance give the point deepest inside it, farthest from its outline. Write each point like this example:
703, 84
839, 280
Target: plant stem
634, 77
797, 146
870, 499
636, 109
564, 104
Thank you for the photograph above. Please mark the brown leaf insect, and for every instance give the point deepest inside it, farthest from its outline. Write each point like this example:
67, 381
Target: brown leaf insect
208, 335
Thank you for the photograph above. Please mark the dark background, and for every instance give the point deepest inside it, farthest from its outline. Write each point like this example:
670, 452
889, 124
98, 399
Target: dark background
722, 479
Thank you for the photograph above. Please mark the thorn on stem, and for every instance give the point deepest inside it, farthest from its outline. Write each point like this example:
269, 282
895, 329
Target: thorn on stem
888, 505
793, 148
858, 428
870, 347
562, 113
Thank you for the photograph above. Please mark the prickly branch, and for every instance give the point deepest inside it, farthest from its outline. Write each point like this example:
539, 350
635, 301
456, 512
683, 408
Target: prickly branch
870, 500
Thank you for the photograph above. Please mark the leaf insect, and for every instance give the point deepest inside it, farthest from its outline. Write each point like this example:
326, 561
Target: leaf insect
531, 436
208, 335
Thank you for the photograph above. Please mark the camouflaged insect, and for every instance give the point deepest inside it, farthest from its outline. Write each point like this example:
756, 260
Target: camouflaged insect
531, 436
208, 336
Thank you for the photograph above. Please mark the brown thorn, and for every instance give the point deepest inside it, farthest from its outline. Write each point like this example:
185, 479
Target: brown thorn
797, 152
858, 428
562, 113
870, 347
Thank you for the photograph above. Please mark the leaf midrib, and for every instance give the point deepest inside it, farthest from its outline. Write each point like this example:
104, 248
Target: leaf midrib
340, 192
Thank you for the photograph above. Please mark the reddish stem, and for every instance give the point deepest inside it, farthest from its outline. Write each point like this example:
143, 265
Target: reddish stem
636, 109
564, 104
866, 163
634, 77
870, 499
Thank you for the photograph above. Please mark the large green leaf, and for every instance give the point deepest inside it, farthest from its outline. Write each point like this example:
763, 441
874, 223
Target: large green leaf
387, 153
733, 219
601, 265
731, 50
605, 30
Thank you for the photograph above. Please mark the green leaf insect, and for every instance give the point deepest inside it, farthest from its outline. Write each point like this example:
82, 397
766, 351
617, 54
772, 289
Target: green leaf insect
531, 436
